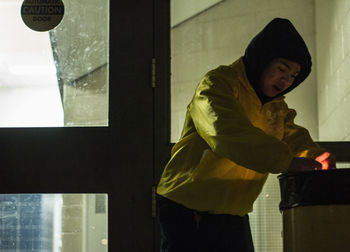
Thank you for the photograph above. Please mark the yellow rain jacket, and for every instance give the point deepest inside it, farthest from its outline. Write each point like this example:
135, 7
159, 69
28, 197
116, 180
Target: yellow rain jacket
227, 130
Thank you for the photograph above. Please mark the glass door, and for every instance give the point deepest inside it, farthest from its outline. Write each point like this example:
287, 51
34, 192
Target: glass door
77, 153
51, 79
58, 77
53, 222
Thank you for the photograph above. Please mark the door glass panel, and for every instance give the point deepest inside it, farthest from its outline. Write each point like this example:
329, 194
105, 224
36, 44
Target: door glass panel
59, 77
53, 222
219, 34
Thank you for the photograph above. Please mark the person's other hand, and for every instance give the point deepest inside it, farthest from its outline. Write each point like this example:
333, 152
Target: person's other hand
326, 162
304, 164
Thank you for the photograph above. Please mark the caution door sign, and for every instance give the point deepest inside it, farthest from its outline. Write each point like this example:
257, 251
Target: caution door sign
42, 15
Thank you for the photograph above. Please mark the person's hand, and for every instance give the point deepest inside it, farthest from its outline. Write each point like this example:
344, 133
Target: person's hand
304, 164
327, 164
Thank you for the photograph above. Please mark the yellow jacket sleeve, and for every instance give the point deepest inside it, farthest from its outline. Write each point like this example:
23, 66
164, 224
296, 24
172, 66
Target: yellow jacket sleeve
299, 139
221, 121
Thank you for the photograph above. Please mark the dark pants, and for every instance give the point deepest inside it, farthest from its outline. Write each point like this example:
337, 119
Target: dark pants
186, 230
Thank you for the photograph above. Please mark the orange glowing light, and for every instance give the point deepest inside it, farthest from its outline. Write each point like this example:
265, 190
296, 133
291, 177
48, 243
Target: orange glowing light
323, 159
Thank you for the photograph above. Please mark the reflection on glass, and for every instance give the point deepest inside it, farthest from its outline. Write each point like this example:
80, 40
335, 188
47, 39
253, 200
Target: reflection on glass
56, 78
80, 48
53, 223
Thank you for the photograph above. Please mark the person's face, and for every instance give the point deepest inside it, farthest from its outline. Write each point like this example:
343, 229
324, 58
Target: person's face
278, 76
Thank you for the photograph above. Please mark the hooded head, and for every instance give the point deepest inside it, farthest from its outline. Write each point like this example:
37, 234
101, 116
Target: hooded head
279, 39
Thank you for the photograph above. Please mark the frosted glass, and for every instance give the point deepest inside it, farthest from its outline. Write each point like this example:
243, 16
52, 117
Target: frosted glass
53, 223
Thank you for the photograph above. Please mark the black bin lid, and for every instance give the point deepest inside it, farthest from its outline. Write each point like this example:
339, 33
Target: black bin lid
330, 187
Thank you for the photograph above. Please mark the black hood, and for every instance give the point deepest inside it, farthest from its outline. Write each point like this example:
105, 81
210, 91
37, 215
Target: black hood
279, 39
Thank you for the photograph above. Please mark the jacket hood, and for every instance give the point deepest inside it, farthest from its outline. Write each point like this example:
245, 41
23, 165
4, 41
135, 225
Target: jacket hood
279, 39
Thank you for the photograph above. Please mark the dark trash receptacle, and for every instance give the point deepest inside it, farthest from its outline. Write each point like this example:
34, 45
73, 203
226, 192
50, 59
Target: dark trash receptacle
315, 207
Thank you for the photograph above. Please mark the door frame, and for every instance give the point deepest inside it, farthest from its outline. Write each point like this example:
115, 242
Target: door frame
120, 159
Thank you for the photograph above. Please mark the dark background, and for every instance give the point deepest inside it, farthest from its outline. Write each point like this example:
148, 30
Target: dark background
125, 159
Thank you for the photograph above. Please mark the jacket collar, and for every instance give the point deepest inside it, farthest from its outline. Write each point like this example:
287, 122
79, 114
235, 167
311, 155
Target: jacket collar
242, 76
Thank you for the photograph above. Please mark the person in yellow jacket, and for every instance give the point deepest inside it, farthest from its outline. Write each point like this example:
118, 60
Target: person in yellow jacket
237, 130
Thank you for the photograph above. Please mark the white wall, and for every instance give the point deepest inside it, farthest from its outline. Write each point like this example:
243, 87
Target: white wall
220, 35
333, 65
181, 10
